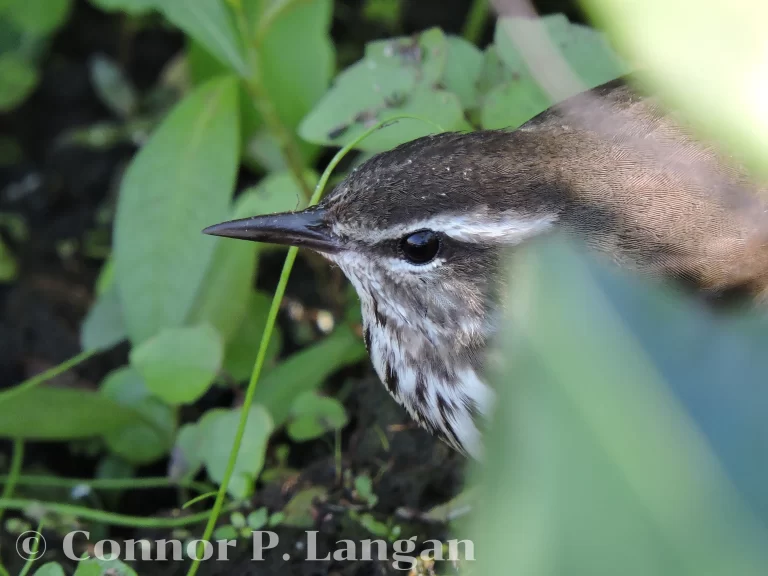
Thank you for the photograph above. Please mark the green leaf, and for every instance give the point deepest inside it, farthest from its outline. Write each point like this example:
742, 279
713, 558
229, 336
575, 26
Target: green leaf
8, 268
313, 415
180, 364
396, 77
219, 438
258, 518
50, 569
306, 370
426, 54
17, 81
462, 70
151, 438
513, 103
364, 489
210, 23
180, 182
297, 74
609, 467
225, 291
103, 327
241, 351
48, 413
585, 50
112, 86
96, 567
299, 511
38, 17
132, 7
187, 456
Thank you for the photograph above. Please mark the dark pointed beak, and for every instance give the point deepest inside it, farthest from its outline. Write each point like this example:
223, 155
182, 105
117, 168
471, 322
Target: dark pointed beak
308, 229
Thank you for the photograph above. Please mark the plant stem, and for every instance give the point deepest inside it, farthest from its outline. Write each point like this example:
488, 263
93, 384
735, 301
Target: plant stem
106, 483
47, 375
109, 518
476, 18
267, 335
15, 471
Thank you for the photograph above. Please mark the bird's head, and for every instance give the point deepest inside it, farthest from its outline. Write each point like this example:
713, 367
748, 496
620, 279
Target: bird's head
417, 230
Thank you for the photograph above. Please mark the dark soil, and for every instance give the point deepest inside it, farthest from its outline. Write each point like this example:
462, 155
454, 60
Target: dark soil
63, 192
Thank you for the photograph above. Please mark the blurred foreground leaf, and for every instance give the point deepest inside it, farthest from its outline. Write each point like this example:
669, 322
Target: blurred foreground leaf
681, 46
49, 413
180, 182
596, 466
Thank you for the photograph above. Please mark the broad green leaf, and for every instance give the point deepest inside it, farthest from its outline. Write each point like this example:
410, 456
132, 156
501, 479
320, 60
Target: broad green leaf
180, 182
149, 439
210, 23
708, 59
594, 460
493, 72
226, 288
38, 17
462, 70
50, 569
396, 77
96, 567
103, 327
585, 51
17, 80
133, 7
8, 267
426, 53
296, 74
513, 103
313, 415
218, 441
306, 370
49, 413
240, 353
179, 364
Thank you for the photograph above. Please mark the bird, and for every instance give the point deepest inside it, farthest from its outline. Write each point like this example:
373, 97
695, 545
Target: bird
420, 231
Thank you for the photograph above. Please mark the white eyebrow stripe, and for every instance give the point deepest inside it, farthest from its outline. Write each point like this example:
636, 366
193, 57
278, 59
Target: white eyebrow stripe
507, 228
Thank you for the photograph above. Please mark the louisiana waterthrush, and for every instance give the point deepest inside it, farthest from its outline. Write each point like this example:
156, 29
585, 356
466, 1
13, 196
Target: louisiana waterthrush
419, 232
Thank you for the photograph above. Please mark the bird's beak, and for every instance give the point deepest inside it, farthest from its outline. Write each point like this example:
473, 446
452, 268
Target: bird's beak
307, 228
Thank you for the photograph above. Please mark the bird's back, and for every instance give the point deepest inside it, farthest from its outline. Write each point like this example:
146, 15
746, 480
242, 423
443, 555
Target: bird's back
638, 186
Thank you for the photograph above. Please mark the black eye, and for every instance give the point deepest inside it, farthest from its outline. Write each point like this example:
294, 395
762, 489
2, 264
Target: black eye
420, 247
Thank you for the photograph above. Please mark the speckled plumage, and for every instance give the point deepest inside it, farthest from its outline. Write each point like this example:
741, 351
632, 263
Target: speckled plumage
427, 326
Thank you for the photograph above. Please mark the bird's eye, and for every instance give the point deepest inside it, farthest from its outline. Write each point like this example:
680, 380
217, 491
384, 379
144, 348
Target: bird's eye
420, 247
